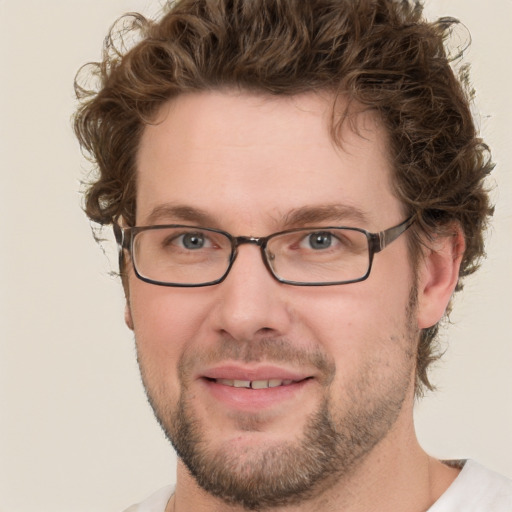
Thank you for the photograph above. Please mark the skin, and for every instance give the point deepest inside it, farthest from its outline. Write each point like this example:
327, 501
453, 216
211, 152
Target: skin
245, 164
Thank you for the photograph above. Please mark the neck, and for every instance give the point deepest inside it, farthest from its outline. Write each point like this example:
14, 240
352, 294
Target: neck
396, 476
407, 481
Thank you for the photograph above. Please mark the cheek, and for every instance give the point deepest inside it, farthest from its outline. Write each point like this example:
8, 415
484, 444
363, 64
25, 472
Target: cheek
165, 321
356, 324
355, 309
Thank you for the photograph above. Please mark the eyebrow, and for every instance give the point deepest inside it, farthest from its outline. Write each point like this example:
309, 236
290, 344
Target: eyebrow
176, 212
297, 217
332, 213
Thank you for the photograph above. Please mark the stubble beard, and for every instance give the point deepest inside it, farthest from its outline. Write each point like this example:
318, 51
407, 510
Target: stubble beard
285, 475
333, 443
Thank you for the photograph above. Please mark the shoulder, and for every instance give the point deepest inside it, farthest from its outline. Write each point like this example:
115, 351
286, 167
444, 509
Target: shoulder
154, 503
476, 489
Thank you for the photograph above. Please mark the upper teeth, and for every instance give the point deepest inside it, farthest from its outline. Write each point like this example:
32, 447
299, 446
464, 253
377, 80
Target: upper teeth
254, 384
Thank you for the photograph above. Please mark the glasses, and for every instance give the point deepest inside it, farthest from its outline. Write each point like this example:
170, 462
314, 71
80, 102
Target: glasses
191, 256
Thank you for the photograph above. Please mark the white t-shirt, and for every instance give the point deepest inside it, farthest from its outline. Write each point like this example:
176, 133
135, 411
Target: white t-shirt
476, 489
154, 503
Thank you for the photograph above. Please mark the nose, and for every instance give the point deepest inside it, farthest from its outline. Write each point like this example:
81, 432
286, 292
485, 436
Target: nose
250, 302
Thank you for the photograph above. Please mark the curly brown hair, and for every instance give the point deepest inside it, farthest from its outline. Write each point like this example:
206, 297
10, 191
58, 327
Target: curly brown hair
381, 53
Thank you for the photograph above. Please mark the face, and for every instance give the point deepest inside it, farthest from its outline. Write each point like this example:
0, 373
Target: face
335, 364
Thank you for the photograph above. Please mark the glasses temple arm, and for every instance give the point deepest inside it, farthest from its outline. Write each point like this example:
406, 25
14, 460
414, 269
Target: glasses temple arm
384, 238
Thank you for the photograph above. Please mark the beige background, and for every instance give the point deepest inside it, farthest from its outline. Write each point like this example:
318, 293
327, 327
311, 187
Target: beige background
75, 431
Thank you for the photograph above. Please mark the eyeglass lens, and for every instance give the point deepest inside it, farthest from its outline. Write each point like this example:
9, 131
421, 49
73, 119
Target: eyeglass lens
191, 255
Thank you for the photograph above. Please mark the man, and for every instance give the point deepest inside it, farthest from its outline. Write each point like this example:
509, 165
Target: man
297, 190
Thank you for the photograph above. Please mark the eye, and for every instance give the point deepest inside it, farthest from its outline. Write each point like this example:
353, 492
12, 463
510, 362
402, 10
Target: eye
318, 240
193, 241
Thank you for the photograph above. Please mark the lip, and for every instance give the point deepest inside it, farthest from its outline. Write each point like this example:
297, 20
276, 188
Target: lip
253, 400
267, 372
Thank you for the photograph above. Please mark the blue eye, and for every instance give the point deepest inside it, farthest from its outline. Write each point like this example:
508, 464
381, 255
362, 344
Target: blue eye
193, 241
320, 240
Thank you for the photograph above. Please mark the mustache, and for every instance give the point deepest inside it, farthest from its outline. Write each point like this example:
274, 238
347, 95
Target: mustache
264, 349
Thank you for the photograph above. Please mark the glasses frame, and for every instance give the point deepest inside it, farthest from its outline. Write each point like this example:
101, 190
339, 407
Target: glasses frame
376, 243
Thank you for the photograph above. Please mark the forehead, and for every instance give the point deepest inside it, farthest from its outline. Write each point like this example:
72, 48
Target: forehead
241, 157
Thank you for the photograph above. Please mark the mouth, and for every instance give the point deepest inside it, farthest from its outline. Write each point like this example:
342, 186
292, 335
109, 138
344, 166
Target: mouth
255, 384
252, 390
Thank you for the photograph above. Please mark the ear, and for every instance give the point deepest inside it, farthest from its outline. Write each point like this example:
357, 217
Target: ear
128, 320
438, 274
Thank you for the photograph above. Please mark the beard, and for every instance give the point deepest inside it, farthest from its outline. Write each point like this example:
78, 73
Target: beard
334, 441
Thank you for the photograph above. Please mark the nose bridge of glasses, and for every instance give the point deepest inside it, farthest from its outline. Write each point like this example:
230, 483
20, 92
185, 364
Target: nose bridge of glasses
256, 240
260, 241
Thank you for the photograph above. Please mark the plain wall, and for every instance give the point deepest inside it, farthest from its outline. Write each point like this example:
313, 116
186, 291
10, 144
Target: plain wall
76, 433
